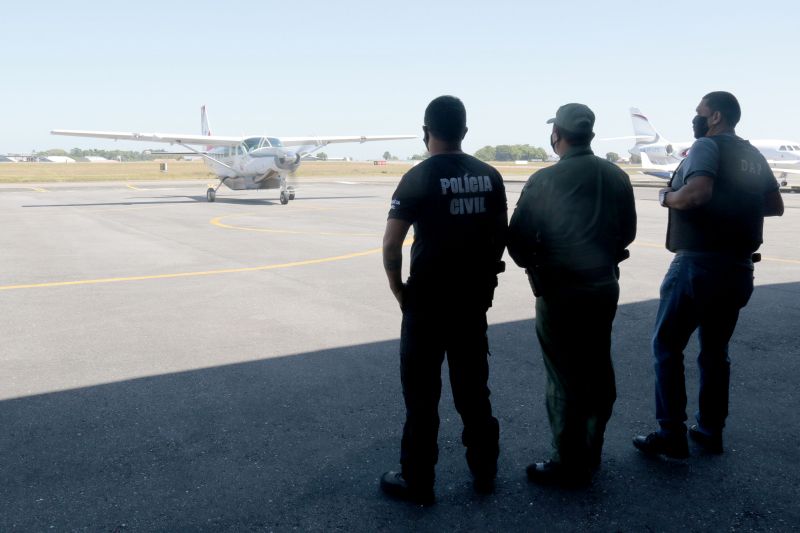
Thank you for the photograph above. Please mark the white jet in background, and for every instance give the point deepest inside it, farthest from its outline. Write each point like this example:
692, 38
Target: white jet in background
661, 157
241, 163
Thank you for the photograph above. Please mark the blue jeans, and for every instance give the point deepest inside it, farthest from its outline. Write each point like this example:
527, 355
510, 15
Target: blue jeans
704, 293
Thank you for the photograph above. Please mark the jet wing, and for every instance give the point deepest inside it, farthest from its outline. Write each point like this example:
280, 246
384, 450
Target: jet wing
322, 141
171, 138
777, 168
659, 171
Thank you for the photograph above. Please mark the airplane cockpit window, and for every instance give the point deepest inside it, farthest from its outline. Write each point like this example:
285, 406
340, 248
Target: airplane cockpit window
796, 147
265, 142
275, 142
782, 149
251, 143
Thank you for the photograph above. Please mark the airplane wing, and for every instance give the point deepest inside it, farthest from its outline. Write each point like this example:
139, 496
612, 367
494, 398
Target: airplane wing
171, 138
774, 165
312, 143
659, 171
628, 137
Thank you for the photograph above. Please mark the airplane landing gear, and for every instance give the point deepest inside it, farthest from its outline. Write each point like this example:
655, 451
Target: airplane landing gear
284, 198
211, 194
291, 194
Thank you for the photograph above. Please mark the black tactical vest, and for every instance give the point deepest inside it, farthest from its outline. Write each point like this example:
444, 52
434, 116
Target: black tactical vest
731, 222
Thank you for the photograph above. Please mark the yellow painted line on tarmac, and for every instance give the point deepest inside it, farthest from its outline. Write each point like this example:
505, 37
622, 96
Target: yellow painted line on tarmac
128, 185
779, 260
191, 274
217, 221
39, 189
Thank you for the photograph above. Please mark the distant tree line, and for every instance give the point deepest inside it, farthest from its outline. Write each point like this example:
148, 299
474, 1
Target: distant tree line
116, 155
511, 152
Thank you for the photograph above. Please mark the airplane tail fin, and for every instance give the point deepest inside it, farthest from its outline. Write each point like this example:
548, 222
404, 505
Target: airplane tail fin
644, 131
204, 127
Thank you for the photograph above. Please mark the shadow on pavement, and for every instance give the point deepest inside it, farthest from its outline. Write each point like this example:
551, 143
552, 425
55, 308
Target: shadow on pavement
300, 441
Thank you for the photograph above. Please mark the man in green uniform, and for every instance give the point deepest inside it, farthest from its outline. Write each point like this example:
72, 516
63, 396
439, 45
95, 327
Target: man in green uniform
571, 227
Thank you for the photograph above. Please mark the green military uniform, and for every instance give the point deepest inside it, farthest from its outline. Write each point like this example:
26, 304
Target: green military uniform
570, 229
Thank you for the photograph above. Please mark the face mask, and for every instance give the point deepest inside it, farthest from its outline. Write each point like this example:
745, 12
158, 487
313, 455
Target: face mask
700, 126
553, 142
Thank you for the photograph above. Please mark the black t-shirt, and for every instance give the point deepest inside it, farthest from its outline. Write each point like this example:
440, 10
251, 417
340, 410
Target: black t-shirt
457, 205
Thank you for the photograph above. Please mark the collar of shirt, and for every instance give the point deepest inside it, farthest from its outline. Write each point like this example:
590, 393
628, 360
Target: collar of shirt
575, 151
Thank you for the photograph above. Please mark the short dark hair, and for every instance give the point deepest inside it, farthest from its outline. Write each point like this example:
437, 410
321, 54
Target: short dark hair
726, 104
575, 139
446, 118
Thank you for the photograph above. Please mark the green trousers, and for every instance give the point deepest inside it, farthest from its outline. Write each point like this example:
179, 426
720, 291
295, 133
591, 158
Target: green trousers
573, 324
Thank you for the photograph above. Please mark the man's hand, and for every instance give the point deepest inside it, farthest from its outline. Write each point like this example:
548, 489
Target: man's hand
393, 238
398, 294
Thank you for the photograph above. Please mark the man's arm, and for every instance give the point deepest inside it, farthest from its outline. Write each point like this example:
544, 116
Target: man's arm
773, 204
500, 235
393, 237
695, 193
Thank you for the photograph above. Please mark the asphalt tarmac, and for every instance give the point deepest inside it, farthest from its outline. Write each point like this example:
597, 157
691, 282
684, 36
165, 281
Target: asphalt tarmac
169, 364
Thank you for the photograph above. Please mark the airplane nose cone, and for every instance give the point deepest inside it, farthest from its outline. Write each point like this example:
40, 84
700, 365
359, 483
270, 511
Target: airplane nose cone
288, 161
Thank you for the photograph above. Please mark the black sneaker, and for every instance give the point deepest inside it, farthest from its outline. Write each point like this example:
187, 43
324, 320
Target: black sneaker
656, 444
395, 485
710, 442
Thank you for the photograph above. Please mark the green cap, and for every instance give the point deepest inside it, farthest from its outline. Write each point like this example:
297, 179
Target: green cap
575, 118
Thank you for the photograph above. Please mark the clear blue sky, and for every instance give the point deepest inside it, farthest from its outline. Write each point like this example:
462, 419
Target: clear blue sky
359, 68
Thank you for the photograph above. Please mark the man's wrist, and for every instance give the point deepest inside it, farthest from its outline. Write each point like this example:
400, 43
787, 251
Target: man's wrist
397, 287
662, 197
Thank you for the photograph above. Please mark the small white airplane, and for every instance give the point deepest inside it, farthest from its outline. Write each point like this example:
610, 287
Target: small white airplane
241, 163
661, 157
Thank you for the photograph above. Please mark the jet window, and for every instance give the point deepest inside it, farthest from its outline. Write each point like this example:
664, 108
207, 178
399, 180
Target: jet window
796, 147
782, 149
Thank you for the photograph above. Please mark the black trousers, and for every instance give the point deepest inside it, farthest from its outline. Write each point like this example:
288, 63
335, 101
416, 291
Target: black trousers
426, 337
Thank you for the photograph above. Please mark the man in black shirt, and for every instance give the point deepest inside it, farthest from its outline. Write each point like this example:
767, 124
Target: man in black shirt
457, 205
717, 200
570, 229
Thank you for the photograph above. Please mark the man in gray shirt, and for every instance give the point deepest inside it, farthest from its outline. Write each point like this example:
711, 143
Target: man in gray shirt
717, 202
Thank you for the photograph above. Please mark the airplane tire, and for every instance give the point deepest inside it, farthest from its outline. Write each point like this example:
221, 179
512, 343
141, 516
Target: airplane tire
284, 198
291, 195
784, 183
211, 194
